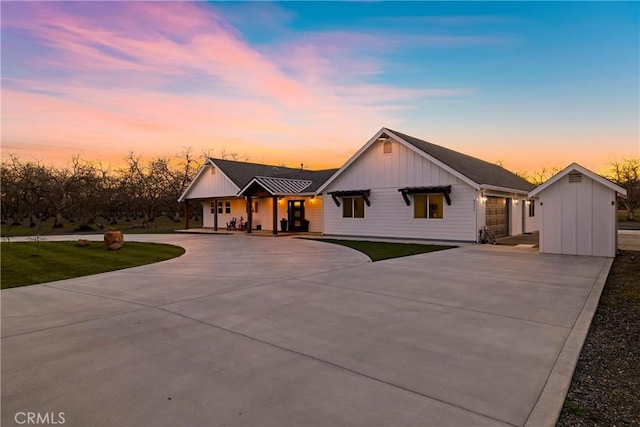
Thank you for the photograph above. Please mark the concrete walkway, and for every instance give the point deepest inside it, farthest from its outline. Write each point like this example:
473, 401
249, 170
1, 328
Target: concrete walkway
288, 332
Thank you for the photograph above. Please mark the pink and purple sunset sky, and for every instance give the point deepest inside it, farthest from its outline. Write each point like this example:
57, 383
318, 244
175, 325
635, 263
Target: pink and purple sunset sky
529, 84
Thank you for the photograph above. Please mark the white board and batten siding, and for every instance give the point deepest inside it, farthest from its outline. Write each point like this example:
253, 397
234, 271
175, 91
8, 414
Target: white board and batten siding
212, 183
578, 217
531, 223
388, 215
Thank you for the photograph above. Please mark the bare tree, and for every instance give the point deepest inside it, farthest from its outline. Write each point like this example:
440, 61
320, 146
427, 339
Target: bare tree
180, 177
540, 176
144, 184
74, 192
225, 155
627, 175
23, 189
9, 197
114, 201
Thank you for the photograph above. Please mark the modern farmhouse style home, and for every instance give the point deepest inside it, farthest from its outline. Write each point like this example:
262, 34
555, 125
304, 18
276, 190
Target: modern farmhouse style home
395, 186
403, 187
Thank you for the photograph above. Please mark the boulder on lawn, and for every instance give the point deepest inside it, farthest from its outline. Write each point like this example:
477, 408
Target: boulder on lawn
83, 242
113, 236
115, 246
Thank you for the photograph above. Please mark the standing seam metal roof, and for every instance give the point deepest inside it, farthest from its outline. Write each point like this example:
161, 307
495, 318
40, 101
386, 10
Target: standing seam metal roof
282, 186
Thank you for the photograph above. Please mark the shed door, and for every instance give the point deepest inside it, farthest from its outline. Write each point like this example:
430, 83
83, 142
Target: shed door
498, 216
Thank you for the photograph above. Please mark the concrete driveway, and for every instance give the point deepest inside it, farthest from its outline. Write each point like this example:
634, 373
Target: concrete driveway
259, 331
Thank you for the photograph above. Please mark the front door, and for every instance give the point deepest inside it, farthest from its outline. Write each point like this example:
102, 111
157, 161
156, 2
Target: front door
296, 215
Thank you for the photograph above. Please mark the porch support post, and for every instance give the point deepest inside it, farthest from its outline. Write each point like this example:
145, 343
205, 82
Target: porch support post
275, 215
186, 214
215, 214
249, 214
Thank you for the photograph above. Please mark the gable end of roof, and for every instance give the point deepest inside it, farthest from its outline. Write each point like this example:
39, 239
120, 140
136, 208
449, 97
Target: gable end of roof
572, 168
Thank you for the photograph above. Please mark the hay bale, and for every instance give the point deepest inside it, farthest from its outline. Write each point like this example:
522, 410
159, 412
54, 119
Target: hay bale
83, 242
113, 236
115, 246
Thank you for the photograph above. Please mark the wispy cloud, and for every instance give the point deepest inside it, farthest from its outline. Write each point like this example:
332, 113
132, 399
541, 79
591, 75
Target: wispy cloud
151, 75
450, 20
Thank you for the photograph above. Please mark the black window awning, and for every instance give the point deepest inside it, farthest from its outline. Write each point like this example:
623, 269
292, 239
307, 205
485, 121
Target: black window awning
440, 189
335, 195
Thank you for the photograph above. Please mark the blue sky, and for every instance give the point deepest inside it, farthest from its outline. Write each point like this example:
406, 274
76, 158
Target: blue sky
531, 84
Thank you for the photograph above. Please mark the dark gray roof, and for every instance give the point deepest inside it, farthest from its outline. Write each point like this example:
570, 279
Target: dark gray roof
243, 172
476, 170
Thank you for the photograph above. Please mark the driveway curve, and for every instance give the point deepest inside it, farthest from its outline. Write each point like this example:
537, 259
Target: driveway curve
261, 331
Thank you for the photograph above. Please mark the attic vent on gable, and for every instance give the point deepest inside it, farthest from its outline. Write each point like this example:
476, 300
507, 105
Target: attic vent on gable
575, 177
213, 170
386, 143
387, 147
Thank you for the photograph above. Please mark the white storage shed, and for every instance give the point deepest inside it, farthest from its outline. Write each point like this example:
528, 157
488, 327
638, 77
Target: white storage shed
578, 213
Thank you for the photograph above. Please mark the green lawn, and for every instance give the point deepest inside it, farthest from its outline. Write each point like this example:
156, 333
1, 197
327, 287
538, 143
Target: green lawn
378, 251
22, 265
161, 225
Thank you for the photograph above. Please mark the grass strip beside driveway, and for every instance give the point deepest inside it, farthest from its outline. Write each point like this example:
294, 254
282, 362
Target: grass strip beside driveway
379, 251
26, 264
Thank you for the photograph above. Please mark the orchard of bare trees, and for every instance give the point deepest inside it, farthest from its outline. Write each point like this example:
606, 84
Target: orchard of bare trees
91, 195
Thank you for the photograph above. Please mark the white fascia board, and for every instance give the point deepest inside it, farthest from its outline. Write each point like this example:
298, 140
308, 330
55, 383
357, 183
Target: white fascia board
224, 174
576, 167
351, 160
503, 189
247, 186
205, 166
208, 163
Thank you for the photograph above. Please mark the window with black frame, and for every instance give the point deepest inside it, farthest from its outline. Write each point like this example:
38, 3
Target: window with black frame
353, 207
430, 206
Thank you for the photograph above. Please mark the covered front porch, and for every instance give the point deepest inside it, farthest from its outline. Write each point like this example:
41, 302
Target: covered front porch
287, 207
263, 213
